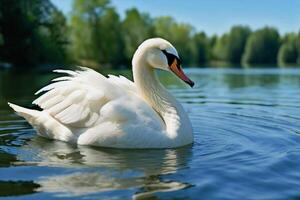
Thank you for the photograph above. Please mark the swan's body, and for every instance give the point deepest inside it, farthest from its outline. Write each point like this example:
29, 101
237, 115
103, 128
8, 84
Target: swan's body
89, 109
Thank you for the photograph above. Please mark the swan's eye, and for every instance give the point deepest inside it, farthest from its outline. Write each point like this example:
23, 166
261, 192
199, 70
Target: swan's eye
172, 58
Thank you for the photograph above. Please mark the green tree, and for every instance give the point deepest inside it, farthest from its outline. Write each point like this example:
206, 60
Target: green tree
1, 40
237, 38
220, 47
288, 51
298, 48
53, 39
1, 46
28, 31
136, 28
212, 41
89, 22
230, 47
262, 47
112, 42
201, 48
287, 54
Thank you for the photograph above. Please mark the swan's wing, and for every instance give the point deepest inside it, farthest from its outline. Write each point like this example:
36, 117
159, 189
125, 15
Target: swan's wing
76, 99
123, 82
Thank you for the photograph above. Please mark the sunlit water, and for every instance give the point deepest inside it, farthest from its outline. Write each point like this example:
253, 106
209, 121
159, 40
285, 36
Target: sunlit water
247, 145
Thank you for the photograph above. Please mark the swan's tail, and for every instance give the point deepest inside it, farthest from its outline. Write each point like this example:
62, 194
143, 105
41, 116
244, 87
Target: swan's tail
44, 124
28, 114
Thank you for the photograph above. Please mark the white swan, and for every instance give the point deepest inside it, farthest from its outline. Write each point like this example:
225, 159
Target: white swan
89, 109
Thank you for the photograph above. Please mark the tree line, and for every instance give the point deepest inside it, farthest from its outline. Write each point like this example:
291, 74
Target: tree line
35, 33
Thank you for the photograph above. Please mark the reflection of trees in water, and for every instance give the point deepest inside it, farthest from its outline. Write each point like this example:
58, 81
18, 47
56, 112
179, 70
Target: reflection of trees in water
262, 87
248, 86
154, 184
20, 86
14, 188
264, 78
99, 169
7, 159
242, 80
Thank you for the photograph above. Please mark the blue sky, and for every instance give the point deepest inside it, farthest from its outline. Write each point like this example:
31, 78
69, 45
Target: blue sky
215, 16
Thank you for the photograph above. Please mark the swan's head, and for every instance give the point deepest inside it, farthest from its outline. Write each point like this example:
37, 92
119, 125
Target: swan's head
161, 54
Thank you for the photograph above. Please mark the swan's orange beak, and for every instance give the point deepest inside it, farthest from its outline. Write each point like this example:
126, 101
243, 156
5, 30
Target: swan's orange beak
176, 69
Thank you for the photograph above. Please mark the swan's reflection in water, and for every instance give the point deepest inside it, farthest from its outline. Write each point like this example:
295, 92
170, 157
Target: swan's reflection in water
96, 169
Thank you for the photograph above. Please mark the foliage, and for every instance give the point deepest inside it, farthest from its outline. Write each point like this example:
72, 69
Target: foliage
220, 48
201, 47
230, 47
236, 43
287, 54
33, 32
88, 29
1, 40
262, 47
298, 48
136, 27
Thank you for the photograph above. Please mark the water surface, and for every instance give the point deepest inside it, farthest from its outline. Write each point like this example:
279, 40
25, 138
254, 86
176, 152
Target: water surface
247, 145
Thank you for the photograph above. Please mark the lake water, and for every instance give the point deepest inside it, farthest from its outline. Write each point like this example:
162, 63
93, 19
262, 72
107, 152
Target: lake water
247, 145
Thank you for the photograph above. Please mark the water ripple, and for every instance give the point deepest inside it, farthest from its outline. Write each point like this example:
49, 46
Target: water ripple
247, 145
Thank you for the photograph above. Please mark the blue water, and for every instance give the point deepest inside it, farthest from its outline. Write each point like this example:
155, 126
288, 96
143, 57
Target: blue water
247, 145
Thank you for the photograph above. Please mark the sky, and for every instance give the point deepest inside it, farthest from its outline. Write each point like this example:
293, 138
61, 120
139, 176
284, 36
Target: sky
215, 16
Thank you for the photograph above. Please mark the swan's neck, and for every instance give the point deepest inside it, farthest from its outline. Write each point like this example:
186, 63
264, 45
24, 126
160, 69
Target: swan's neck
170, 110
